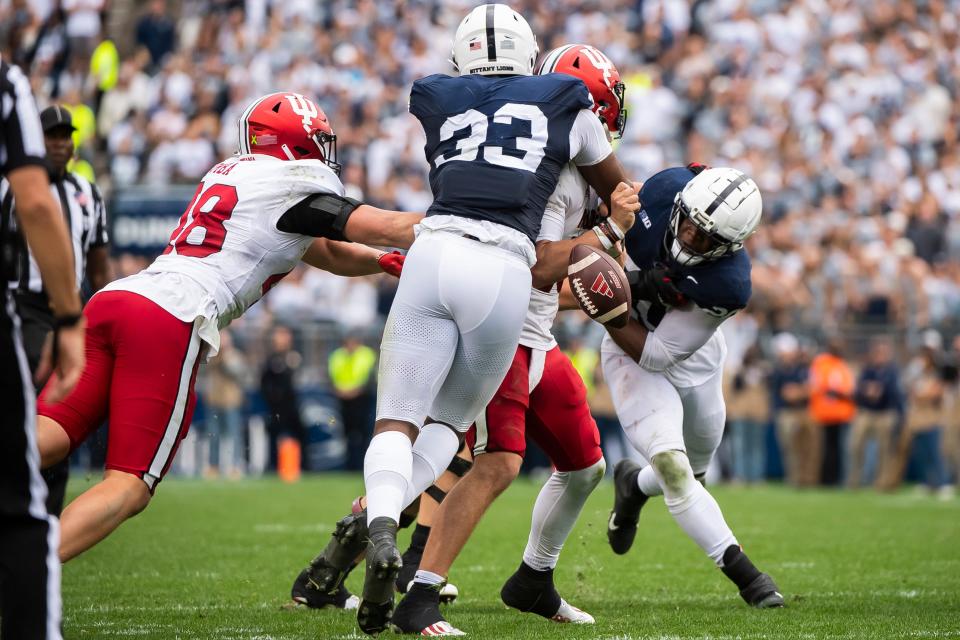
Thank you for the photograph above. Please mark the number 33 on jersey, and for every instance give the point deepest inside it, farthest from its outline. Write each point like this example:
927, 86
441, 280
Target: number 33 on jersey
496, 146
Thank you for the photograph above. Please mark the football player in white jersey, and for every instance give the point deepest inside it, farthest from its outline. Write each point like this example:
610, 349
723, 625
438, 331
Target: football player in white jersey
689, 272
253, 218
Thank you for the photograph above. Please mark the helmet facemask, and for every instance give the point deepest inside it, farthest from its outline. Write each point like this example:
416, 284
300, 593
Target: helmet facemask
688, 256
327, 142
619, 90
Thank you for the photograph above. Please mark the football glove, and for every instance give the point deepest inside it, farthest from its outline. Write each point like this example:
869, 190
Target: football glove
656, 285
392, 263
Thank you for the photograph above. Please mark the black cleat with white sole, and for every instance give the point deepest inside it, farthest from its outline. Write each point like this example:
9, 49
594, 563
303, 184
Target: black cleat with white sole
532, 591
419, 613
383, 566
627, 502
306, 594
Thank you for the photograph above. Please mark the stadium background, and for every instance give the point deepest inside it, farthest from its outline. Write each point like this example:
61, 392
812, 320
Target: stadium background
844, 111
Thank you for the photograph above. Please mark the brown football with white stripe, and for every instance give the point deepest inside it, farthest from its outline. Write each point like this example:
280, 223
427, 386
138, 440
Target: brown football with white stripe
599, 285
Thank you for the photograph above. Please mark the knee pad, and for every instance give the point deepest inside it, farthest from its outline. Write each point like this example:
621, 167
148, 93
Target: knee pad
673, 469
589, 477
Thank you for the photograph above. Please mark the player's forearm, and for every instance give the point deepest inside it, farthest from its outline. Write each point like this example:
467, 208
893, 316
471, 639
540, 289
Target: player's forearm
99, 269
632, 338
554, 257
343, 258
605, 176
380, 227
46, 234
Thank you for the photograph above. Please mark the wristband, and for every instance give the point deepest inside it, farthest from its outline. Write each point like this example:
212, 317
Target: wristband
620, 234
604, 240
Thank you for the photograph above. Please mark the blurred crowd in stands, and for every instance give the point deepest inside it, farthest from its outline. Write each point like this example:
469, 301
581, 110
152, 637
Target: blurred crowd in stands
844, 111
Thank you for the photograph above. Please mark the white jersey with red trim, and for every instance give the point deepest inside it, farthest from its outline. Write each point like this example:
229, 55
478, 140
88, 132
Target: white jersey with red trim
227, 251
561, 221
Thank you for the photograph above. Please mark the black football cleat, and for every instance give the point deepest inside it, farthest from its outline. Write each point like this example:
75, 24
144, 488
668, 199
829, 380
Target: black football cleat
762, 593
328, 570
383, 565
306, 594
419, 613
627, 503
532, 591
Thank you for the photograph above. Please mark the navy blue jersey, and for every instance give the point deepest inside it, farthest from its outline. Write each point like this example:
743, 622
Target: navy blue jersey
496, 145
719, 287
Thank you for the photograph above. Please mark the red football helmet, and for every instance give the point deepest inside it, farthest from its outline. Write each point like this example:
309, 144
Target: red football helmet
598, 73
288, 126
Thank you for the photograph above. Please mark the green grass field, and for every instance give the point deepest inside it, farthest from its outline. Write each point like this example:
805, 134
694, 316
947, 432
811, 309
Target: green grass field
216, 560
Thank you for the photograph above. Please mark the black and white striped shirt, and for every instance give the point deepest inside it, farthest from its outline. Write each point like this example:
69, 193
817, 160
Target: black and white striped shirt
82, 206
21, 144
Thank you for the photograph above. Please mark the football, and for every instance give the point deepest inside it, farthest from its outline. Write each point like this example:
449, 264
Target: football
599, 285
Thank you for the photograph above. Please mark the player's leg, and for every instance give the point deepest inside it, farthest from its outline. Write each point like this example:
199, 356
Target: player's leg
559, 421
651, 415
151, 400
430, 503
679, 474
498, 447
418, 347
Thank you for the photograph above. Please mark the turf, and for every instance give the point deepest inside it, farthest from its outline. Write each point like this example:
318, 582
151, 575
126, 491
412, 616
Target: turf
215, 560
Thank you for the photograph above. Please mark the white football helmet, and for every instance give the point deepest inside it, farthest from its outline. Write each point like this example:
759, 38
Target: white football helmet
722, 202
494, 40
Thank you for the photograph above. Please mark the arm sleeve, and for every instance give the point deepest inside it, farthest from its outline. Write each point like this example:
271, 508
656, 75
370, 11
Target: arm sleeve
321, 215
555, 214
22, 134
588, 140
101, 235
677, 337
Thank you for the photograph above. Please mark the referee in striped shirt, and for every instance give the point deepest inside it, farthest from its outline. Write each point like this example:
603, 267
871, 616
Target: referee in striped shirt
83, 211
29, 537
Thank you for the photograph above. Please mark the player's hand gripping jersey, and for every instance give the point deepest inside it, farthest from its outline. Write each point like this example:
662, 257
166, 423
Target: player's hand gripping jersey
684, 341
227, 251
496, 147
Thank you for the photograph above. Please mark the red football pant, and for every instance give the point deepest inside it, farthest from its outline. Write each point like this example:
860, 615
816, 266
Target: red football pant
555, 413
141, 369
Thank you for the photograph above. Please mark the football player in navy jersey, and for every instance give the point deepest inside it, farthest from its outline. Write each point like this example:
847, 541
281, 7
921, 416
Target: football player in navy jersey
688, 272
497, 139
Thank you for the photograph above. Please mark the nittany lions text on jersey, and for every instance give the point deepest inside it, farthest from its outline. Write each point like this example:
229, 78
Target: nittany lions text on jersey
716, 289
496, 145
227, 250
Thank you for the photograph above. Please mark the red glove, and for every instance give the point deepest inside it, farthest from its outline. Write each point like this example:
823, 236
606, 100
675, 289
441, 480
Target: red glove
392, 263
697, 167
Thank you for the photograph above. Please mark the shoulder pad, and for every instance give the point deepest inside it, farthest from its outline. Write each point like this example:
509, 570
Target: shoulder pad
660, 189
721, 287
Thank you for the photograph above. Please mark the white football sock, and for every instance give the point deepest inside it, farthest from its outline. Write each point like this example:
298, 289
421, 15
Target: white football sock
692, 506
427, 577
387, 468
432, 452
648, 483
555, 512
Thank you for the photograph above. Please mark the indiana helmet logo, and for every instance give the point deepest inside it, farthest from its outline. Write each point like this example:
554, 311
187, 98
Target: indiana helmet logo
601, 286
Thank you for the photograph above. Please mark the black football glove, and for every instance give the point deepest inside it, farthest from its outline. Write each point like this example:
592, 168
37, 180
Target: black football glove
655, 285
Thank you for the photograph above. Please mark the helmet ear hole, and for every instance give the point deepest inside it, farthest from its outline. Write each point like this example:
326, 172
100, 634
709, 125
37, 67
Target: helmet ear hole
301, 150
